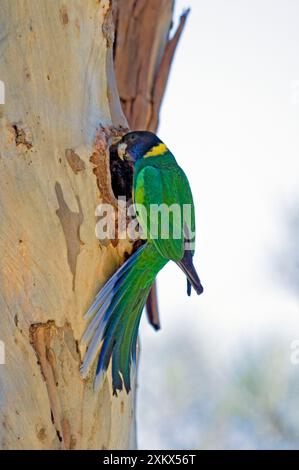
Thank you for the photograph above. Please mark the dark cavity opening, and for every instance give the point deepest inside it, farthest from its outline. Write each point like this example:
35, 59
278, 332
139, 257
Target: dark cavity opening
121, 175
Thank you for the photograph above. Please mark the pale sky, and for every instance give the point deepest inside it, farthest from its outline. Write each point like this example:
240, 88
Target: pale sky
231, 117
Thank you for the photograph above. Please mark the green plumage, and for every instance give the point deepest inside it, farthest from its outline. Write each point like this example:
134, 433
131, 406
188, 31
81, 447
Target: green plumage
116, 311
159, 180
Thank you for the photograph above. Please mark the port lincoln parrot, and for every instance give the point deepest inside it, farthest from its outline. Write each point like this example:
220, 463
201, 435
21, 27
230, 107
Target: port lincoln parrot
115, 313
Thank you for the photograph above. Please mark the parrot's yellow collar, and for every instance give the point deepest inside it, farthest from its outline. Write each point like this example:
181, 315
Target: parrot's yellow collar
156, 151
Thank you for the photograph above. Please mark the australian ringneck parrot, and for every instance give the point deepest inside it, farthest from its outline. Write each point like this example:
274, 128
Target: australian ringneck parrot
115, 314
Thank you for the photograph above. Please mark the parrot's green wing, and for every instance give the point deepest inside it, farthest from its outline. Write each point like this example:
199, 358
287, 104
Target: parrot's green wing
160, 195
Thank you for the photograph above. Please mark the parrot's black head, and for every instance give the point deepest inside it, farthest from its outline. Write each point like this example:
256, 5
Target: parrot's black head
135, 145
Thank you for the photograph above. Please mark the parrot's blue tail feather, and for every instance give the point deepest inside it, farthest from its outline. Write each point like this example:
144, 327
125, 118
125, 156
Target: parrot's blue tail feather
114, 318
108, 287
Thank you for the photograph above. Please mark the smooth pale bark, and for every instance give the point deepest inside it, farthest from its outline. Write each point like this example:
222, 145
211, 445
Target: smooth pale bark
56, 64
61, 111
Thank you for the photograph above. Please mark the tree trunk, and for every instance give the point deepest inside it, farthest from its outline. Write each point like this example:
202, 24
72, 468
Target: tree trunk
61, 112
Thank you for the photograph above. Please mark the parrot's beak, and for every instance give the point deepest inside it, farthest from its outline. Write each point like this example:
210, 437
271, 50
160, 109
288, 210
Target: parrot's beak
121, 150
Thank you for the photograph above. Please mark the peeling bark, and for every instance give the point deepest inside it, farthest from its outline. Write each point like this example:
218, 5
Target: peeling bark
74, 161
70, 222
143, 53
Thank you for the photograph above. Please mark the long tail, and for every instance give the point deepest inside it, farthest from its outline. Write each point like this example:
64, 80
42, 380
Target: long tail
115, 315
186, 265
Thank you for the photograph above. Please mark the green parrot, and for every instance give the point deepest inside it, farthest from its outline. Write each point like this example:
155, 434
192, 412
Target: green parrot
114, 316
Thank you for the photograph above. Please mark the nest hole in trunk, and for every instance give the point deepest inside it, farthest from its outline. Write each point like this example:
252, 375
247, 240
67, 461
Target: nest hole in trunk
121, 175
